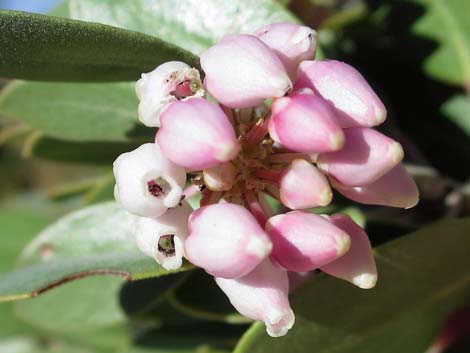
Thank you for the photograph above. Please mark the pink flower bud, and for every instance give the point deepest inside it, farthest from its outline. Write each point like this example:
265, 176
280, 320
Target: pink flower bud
241, 71
147, 183
226, 240
291, 42
354, 101
162, 238
366, 156
394, 189
304, 122
302, 185
196, 134
357, 265
304, 241
167, 83
262, 295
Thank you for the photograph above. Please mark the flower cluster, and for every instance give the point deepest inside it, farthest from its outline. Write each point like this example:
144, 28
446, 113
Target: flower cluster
266, 120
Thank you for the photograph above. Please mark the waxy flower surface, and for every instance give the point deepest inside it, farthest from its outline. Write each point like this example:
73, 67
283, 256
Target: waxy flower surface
264, 118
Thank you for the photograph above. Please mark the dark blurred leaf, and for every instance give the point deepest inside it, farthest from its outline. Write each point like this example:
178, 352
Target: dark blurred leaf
339, 18
161, 327
92, 152
210, 338
423, 278
160, 312
139, 297
183, 348
446, 21
77, 112
97, 240
39, 47
192, 24
200, 297
460, 347
102, 191
68, 190
147, 304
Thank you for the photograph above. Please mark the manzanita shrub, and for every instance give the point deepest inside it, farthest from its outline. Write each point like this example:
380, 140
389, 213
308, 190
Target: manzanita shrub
248, 168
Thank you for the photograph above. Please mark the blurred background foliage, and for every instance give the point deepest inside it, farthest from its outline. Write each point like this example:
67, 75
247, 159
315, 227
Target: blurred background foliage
58, 142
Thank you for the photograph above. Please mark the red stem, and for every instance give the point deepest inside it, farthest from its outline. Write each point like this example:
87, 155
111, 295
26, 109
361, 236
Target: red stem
210, 197
258, 132
268, 175
273, 191
255, 207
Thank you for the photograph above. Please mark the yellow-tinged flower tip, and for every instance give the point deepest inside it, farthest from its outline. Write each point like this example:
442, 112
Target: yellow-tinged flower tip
344, 244
365, 280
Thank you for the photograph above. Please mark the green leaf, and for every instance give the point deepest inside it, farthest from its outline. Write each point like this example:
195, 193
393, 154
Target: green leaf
458, 110
102, 191
423, 277
9, 324
100, 153
96, 240
76, 112
83, 305
90, 306
60, 10
39, 47
19, 224
193, 25
26, 344
446, 21
86, 311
